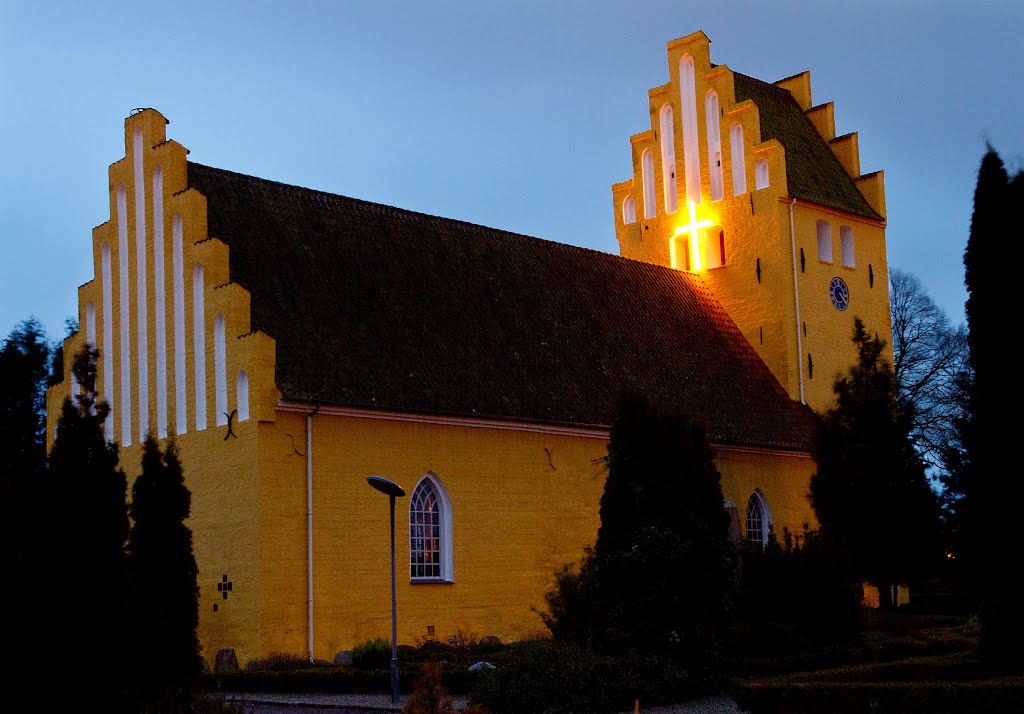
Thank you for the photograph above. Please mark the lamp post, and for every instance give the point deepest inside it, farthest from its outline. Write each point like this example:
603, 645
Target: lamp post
393, 491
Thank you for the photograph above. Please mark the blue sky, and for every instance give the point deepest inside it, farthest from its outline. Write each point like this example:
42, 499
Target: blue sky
511, 114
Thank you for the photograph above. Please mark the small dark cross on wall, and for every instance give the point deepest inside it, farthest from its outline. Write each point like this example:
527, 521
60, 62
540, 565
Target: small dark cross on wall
224, 586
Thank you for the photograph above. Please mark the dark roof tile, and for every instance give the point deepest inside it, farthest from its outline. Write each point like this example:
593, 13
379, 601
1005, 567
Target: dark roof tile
813, 172
375, 306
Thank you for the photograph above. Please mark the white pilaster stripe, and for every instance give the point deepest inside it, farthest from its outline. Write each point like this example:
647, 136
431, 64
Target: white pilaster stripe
220, 379
90, 324
141, 300
159, 307
107, 349
180, 381
124, 334
199, 345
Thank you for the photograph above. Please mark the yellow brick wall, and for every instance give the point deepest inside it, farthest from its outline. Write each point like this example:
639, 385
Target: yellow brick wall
518, 517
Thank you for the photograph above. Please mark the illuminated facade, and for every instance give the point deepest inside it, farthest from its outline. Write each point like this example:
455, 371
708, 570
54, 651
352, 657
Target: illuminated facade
294, 342
764, 189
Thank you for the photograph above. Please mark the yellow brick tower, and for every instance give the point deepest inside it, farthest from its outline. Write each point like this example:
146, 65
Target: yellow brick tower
747, 184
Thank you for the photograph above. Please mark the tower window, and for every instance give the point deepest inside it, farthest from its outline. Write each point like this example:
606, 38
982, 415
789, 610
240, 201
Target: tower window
846, 245
761, 174
628, 210
739, 173
714, 144
647, 165
668, 158
824, 241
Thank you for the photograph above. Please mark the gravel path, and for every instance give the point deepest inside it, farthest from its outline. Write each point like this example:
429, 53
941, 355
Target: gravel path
381, 703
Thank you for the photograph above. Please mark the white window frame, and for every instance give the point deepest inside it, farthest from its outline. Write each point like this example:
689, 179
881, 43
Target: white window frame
647, 170
758, 501
444, 532
823, 229
761, 178
846, 246
628, 211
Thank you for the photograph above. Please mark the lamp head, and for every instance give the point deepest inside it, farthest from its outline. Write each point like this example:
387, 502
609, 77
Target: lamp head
386, 486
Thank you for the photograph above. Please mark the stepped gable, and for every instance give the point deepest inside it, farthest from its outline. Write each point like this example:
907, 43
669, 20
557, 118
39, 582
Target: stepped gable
813, 172
374, 306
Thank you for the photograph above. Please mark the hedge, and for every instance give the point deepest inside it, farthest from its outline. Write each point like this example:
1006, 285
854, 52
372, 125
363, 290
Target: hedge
975, 697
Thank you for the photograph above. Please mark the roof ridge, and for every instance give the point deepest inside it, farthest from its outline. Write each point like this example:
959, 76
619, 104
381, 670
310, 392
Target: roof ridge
401, 213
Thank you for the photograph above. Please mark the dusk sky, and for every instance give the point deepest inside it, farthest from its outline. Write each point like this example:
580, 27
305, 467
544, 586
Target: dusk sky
513, 114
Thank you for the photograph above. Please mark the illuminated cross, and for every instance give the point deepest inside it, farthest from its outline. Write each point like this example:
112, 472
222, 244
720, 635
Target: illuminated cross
693, 229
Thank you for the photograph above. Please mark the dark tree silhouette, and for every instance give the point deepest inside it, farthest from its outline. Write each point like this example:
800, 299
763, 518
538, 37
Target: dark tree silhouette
991, 261
164, 606
24, 355
663, 529
870, 491
86, 527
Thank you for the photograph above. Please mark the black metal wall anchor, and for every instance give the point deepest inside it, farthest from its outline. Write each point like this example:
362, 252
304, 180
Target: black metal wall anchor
231, 430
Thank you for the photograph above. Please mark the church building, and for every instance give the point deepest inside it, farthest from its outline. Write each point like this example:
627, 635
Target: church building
294, 342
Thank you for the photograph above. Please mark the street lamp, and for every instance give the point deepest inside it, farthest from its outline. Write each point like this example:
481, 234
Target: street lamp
393, 490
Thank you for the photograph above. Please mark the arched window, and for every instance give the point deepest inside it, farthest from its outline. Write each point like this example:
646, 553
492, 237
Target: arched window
430, 532
760, 174
647, 164
628, 210
220, 379
824, 241
668, 159
688, 105
714, 144
199, 344
739, 170
758, 519
242, 395
846, 245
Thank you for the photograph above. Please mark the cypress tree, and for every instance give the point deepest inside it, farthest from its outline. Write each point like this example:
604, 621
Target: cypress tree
84, 548
663, 562
164, 591
990, 261
870, 491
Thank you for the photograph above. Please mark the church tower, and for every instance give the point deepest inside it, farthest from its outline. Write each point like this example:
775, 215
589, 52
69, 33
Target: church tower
746, 184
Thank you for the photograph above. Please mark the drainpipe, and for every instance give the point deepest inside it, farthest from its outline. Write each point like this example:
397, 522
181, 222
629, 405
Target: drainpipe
309, 524
796, 298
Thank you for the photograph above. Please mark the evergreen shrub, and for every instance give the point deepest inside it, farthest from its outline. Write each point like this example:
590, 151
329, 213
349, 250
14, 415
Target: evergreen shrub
372, 654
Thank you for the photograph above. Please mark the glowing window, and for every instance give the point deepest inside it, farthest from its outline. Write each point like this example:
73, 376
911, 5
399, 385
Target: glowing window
824, 241
714, 144
668, 159
846, 245
760, 174
430, 532
628, 210
739, 173
647, 163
